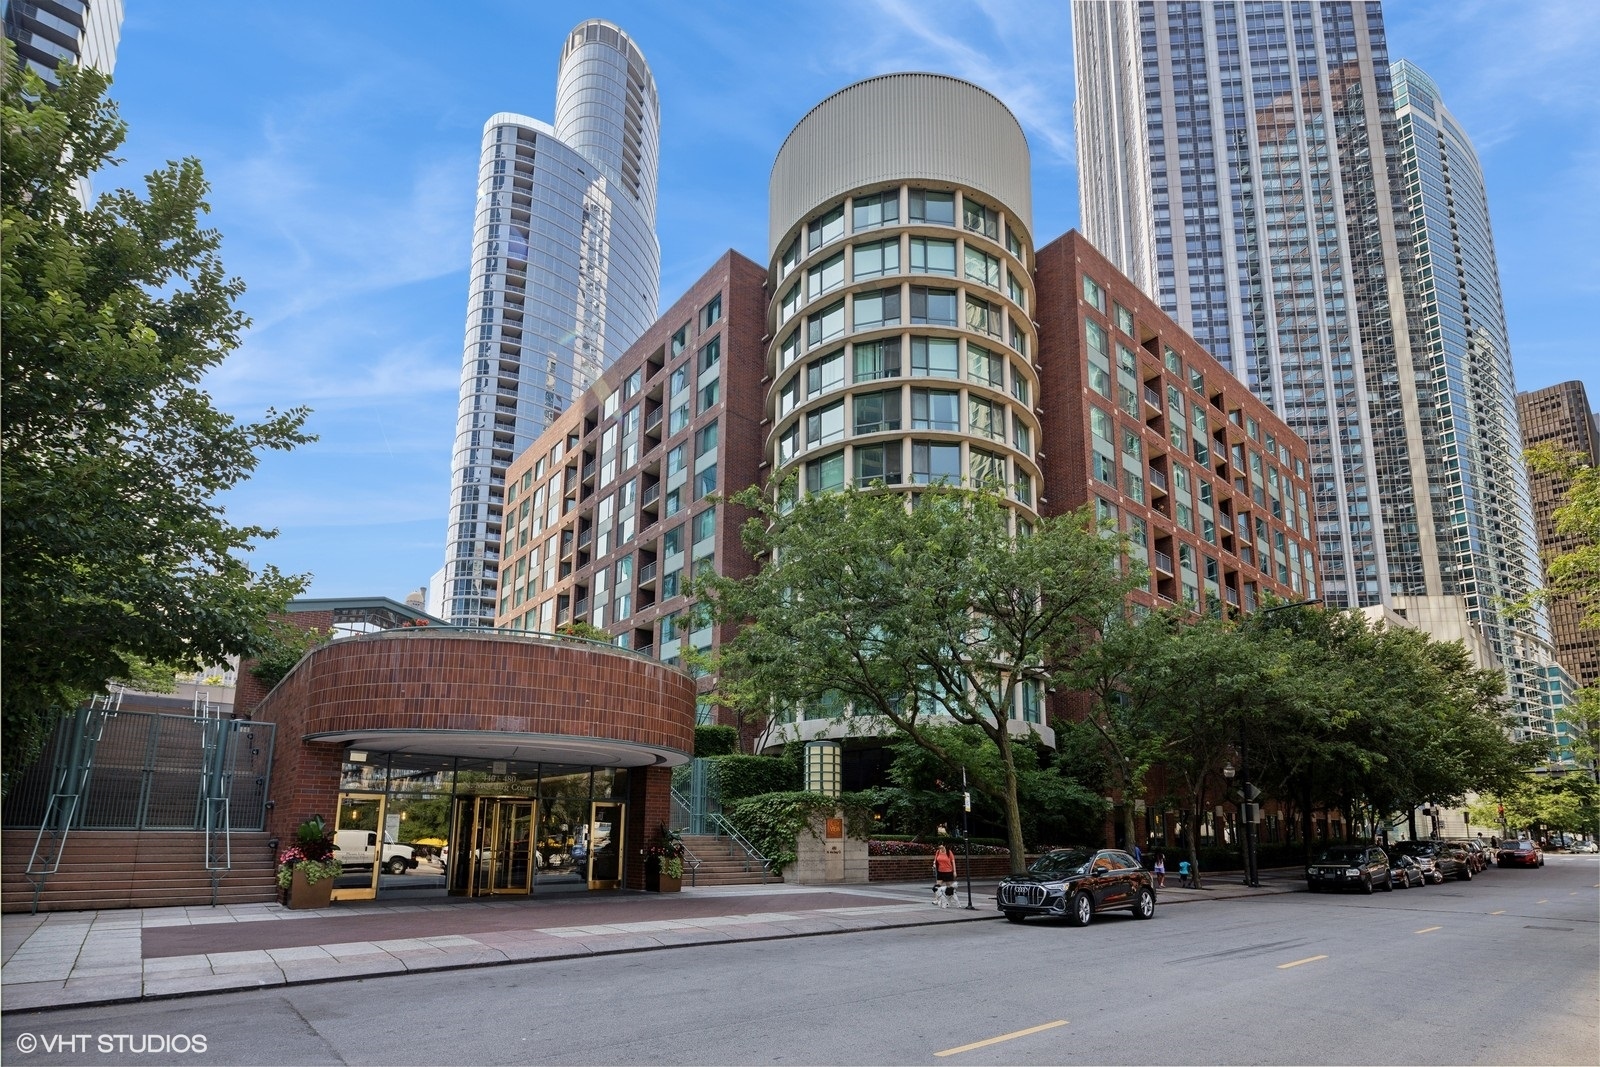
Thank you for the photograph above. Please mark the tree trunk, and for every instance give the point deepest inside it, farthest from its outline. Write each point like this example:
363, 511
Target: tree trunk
1193, 818
1019, 859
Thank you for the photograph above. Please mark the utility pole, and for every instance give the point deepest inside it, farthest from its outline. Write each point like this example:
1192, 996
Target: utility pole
966, 831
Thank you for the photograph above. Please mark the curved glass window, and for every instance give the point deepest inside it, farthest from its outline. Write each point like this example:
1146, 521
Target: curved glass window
879, 209
825, 276
877, 258
934, 208
878, 464
877, 309
877, 412
930, 255
825, 473
830, 227
933, 307
877, 359
935, 409
935, 357
934, 463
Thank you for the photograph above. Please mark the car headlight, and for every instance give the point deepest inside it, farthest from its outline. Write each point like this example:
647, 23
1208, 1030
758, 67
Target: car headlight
1351, 872
1311, 870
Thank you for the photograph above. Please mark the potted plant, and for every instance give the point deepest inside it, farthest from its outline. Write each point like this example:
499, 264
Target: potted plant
663, 868
307, 868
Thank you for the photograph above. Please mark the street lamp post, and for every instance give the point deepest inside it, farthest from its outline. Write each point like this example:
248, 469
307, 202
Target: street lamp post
966, 832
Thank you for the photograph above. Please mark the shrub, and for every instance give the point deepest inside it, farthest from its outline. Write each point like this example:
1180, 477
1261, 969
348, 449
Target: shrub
739, 777
772, 821
715, 741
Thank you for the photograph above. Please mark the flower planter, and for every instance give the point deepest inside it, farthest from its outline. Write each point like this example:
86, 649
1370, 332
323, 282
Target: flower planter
304, 894
670, 884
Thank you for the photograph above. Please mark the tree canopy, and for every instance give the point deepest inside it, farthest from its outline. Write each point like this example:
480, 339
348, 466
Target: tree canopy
115, 549
914, 615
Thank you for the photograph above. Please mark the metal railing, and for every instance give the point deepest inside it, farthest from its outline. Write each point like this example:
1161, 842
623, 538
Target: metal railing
724, 827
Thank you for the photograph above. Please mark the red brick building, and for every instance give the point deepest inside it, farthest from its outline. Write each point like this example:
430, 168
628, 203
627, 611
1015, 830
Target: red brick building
1138, 419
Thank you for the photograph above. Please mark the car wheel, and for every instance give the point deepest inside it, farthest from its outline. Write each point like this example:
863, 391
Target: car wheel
1311, 887
1388, 883
1366, 885
1014, 916
1080, 909
1145, 906
398, 865
1466, 874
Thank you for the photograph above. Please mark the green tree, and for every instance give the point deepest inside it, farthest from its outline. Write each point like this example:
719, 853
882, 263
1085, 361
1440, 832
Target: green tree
115, 548
1574, 572
914, 615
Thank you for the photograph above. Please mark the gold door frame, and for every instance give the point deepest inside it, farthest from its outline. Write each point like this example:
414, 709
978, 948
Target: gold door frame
370, 890
610, 855
492, 854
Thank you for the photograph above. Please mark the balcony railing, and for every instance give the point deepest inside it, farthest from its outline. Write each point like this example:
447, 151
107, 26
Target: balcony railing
1163, 562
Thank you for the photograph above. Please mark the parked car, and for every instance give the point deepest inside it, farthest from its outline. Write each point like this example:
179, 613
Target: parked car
1477, 855
1363, 867
1448, 861
1406, 872
1077, 884
1586, 847
1523, 853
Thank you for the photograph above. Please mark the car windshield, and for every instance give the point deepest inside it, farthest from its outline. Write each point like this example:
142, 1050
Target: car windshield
1519, 846
1341, 855
1414, 848
1061, 864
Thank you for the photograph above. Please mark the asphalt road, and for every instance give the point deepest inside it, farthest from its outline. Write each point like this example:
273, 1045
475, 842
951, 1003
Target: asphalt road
1501, 970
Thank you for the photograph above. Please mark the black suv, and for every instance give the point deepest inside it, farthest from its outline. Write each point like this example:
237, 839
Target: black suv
1449, 859
1077, 883
1363, 867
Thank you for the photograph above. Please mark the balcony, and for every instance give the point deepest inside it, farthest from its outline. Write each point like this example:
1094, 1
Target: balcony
650, 495
1163, 562
646, 577
1158, 480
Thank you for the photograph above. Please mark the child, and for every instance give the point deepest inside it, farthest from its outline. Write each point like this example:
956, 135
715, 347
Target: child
1183, 873
1159, 869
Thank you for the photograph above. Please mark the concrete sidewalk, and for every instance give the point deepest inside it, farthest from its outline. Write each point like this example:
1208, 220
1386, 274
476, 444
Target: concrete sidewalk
78, 959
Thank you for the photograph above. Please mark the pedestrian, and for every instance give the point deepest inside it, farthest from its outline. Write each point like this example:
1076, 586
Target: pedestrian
1138, 857
1183, 874
944, 877
1158, 867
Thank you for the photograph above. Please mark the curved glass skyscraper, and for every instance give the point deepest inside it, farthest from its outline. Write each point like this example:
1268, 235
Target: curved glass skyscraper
566, 274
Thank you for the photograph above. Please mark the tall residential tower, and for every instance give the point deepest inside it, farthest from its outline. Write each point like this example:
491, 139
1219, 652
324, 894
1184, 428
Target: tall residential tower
1263, 183
566, 274
45, 32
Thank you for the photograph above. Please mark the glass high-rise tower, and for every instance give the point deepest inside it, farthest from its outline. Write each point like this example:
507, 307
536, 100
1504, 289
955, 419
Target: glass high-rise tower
566, 274
45, 32
1246, 162
1494, 552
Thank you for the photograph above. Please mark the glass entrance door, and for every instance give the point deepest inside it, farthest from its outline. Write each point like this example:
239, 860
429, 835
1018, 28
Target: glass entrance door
493, 846
358, 829
605, 844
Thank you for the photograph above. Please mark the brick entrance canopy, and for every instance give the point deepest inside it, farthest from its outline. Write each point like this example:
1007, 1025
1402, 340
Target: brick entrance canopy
489, 695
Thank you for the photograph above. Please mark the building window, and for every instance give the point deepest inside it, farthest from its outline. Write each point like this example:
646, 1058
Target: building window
829, 227
877, 309
877, 258
711, 313
1023, 488
1099, 358
680, 340
935, 409
1020, 389
930, 255
825, 276
1095, 295
984, 316
877, 412
935, 357
986, 368
937, 209
988, 470
1021, 436
705, 483
705, 524
705, 439
879, 209
877, 359
985, 418
789, 396
1124, 319
825, 474
980, 219
825, 424
878, 464
789, 349
710, 353
933, 307
825, 374
791, 257
825, 324
933, 463
710, 393
981, 267
789, 444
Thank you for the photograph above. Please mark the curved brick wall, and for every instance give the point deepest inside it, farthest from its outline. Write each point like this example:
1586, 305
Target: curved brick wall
412, 679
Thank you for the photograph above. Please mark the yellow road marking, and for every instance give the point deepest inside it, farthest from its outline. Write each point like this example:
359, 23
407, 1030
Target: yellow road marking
1296, 963
1002, 1037
1429, 929
1502, 911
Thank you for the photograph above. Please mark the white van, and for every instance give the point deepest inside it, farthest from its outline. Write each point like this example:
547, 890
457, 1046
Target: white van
359, 848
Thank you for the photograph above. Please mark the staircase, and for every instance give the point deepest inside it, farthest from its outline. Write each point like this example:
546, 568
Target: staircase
136, 869
722, 862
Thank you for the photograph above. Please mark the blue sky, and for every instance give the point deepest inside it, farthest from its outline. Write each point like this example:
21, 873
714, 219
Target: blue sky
341, 142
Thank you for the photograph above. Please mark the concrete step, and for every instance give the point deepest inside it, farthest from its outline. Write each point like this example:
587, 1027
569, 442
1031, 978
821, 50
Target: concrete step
135, 869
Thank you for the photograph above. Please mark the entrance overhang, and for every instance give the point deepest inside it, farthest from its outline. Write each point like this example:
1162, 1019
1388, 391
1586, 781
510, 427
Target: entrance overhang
501, 745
